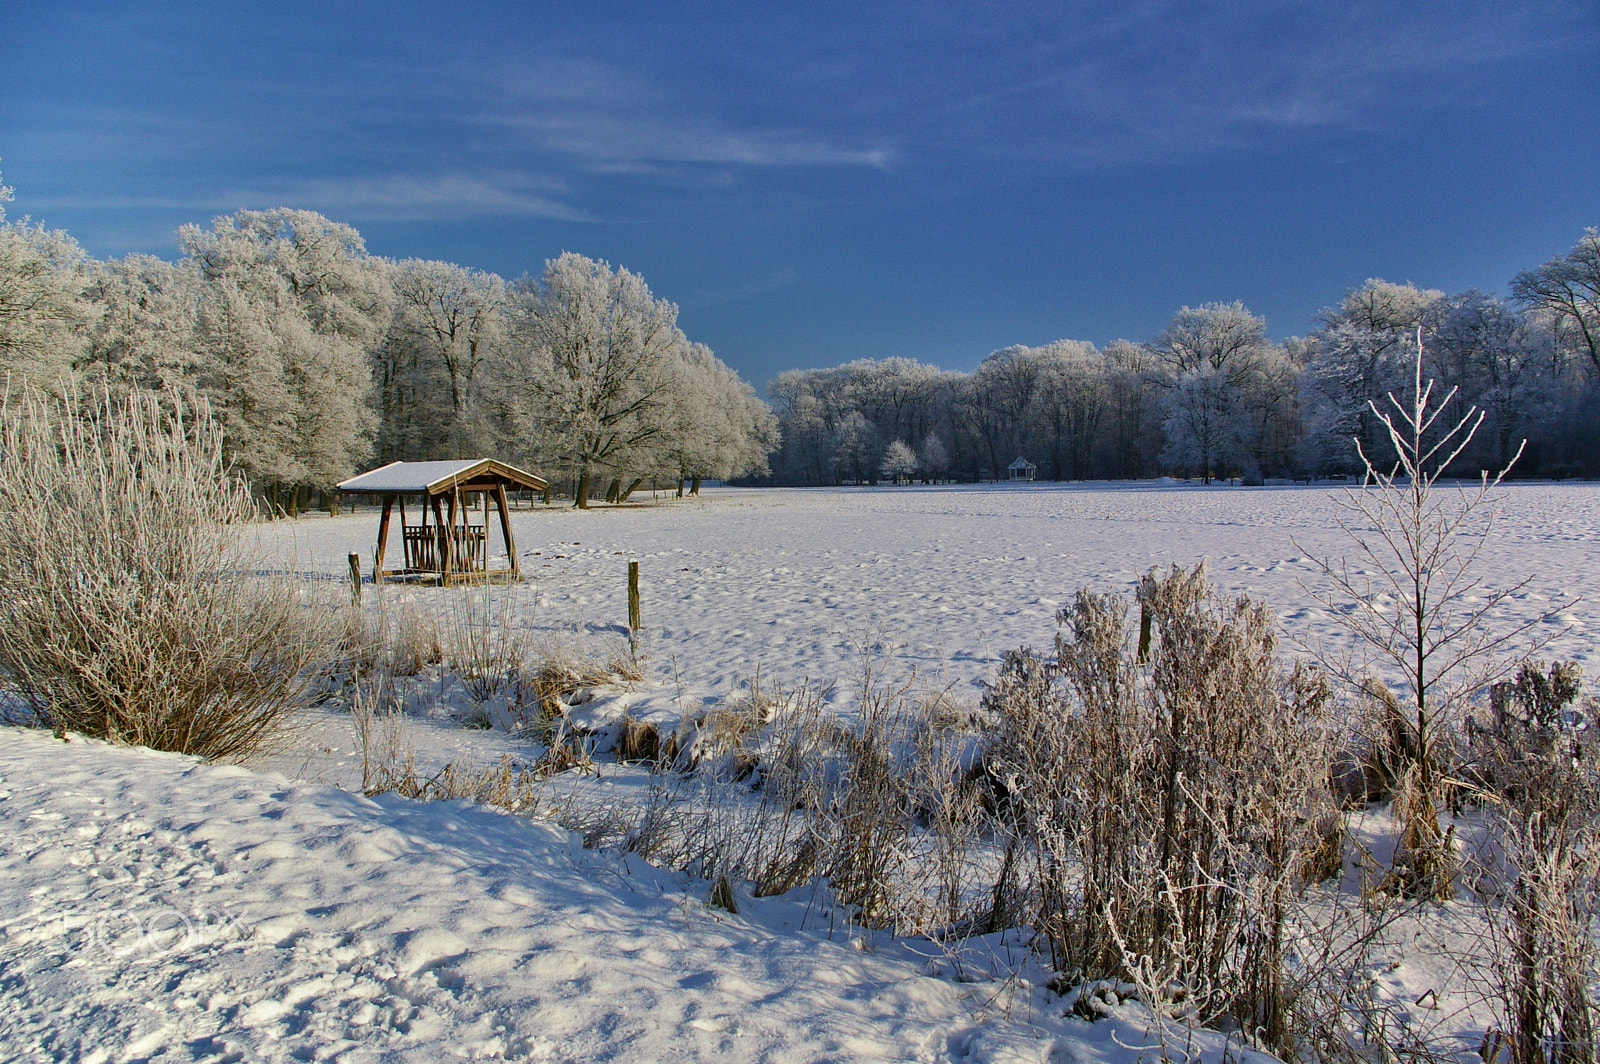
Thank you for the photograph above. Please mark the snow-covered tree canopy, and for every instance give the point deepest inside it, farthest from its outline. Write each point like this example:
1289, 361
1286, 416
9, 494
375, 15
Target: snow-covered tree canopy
1212, 396
320, 359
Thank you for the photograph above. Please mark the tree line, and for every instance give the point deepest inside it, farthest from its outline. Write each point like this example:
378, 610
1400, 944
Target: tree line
1212, 396
320, 359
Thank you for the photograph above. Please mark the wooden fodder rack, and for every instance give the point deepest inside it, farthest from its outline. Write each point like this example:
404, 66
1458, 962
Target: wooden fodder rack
468, 548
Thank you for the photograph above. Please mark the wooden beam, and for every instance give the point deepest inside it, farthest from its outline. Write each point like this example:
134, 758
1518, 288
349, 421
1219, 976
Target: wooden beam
383, 537
505, 530
443, 534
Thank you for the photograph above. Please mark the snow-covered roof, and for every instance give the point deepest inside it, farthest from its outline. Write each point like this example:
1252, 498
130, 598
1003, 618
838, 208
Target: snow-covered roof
1020, 463
431, 478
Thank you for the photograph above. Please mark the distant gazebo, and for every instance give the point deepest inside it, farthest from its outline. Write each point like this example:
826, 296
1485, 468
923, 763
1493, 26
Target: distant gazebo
1022, 469
453, 548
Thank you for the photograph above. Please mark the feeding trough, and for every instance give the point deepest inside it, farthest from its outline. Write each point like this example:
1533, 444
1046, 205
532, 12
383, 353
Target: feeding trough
454, 546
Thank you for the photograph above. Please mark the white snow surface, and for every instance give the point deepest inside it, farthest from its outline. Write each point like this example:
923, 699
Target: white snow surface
153, 908
933, 585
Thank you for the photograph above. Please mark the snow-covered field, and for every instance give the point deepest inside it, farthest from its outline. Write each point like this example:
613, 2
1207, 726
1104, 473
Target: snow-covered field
937, 583
154, 908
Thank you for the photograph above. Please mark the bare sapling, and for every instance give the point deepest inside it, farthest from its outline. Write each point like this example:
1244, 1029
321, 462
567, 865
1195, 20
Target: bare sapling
1420, 606
132, 609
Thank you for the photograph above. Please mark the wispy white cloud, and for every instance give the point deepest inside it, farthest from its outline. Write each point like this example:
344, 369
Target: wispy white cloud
387, 197
627, 143
609, 119
414, 197
761, 285
1098, 83
583, 124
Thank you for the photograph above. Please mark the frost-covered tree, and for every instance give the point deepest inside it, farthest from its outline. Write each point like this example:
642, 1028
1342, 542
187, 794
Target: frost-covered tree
141, 331
998, 399
599, 357
717, 427
1569, 287
1500, 363
1355, 358
899, 398
42, 274
932, 458
802, 418
1212, 338
1069, 407
898, 395
853, 447
1206, 359
292, 306
899, 462
1132, 423
1203, 424
443, 364
1268, 412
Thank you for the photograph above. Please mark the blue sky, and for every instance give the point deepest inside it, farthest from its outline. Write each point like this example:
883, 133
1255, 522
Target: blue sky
818, 182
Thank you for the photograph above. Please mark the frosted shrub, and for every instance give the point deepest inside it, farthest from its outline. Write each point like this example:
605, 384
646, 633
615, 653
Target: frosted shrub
1172, 815
128, 609
1542, 797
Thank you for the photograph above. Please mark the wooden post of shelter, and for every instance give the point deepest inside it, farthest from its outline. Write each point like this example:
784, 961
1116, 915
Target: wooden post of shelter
383, 538
505, 529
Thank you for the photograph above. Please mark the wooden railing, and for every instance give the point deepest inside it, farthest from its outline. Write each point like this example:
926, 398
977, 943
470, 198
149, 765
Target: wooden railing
468, 553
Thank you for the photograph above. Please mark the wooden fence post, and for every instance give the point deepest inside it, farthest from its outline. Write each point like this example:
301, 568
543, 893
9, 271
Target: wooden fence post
633, 597
355, 579
1144, 635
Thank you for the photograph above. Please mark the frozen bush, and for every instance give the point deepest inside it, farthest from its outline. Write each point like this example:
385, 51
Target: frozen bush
1542, 795
1172, 815
129, 610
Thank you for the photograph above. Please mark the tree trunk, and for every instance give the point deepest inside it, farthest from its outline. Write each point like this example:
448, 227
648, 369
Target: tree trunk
680, 486
694, 485
580, 496
614, 490
630, 489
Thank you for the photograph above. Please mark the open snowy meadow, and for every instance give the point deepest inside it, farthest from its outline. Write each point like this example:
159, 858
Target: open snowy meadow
929, 587
153, 907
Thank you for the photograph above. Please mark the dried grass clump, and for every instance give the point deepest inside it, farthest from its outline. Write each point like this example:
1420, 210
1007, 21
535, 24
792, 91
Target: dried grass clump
638, 740
1170, 817
559, 670
362, 647
482, 643
388, 764
786, 792
130, 609
413, 637
504, 785
1542, 792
